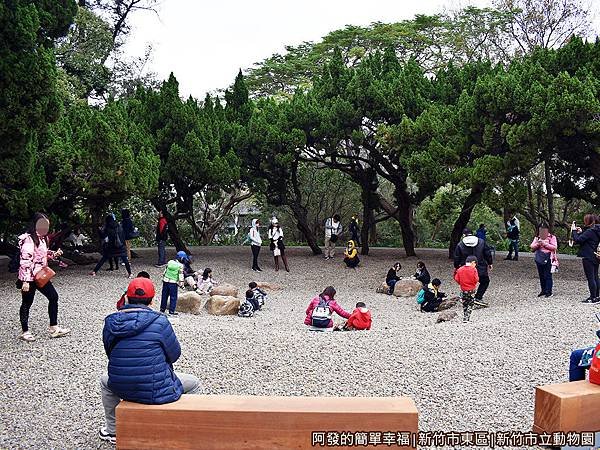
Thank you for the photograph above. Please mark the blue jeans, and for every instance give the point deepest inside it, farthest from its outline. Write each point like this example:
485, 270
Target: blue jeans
391, 284
162, 257
513, 244
168, 290
544, 271
577, 372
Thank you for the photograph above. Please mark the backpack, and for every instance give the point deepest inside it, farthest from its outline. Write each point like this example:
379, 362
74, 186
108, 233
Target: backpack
321, 315
114, 238
421, 296
246, 309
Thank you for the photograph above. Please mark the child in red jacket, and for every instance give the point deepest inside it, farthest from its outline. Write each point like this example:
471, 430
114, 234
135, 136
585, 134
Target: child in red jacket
360, 319
467, 278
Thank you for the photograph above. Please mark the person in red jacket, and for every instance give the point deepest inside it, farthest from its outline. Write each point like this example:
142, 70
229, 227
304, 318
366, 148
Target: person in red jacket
467, 278
360, 319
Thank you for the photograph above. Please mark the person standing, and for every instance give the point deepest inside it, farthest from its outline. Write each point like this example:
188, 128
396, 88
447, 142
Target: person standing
588, 241
162, 229
473, 246
129, 230
34, 254
354, 231
277, 246
513, 231
544, 246
114, 245
333, 229
255, 243
481, 232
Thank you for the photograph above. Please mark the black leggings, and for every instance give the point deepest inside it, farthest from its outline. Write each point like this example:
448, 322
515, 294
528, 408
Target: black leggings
47, 291
591, 273
255, 252
484, 282
106, 258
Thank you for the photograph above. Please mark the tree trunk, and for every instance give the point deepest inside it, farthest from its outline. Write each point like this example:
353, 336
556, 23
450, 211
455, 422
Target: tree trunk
301, 216
549, 194
369, 204
404, 217
465, 215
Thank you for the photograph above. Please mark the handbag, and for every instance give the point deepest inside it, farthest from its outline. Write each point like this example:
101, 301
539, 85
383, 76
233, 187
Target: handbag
595, 367
542, 257
43, 276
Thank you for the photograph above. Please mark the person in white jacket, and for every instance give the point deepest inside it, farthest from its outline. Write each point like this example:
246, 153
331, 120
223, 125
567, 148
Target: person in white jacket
333, 229
255, 243
277, 246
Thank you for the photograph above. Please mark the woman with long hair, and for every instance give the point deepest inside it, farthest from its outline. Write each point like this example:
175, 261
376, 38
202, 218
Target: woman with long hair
275, 234
588, 240
34, 252
544, 246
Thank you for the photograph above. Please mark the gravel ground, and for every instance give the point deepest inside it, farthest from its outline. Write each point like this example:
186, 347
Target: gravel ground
476, 376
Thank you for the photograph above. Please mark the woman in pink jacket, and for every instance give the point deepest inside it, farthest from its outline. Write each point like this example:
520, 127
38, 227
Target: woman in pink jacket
544, 246
321, 308
33, 245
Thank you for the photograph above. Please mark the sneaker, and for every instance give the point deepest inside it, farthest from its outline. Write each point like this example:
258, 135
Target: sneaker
258, 269
56, 332
508, 258
327, 257
516, 258
591, 301
481, 303
549, 295
27, 337
92, 274
541, 294
106, 436
174, 313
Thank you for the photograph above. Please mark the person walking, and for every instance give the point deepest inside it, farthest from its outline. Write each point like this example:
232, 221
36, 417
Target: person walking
35, 275
354, 231
588, 241
473, 246
513, 232
255, 243
162, 229
275, 234
114, 246
544, 246
129, 230
333, 229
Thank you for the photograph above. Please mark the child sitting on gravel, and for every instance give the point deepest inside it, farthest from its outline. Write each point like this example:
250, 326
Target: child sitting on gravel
251, 298
207, 282
432, 297
259, 294
467, 278
123, 300
320, 311
360, 319
246, 306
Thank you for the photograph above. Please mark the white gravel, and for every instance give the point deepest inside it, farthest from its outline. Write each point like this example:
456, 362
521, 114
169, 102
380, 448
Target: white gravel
476, 376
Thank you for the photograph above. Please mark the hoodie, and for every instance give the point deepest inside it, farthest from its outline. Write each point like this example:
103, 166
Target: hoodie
32, 258
351, 251
472, 245
141, 347
254, 234
360, 319
588, 242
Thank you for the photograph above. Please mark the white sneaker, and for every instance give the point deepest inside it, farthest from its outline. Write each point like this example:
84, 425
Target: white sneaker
56, 332
27, 337
106, 436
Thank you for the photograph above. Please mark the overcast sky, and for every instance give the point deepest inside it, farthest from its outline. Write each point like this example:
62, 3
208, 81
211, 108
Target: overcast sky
205, 43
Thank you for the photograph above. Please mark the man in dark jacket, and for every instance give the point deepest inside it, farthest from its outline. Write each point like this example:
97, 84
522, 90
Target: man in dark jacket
161, 239
588, 241
472, 245
141, 347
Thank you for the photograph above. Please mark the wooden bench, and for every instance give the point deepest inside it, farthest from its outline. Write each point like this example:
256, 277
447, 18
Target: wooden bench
251, 422
567, 407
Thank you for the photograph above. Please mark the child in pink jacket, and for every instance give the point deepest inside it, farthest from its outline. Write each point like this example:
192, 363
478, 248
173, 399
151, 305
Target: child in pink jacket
320, 310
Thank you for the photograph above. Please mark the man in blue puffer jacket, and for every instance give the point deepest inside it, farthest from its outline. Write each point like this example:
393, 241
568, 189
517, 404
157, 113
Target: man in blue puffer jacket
141, 347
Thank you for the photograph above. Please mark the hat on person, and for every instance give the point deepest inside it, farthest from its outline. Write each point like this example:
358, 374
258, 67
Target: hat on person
140, 288
182, 255
467, 232
471, 259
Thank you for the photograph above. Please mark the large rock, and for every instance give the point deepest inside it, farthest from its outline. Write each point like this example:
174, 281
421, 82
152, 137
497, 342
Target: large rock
383, 288
222, 305
407, 288
189, 302
448, 303
225, 289
446, 316
268, 286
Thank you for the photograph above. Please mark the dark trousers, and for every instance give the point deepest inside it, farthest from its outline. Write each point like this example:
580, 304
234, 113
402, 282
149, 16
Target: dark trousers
545, 274
162, 255
106, 258
168, 290
576, 372
513, 244
591, 273
484, 282
255, 252
47, 291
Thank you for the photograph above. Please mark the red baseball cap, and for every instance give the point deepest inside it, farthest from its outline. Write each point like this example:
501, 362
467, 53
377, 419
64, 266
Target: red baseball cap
140, 288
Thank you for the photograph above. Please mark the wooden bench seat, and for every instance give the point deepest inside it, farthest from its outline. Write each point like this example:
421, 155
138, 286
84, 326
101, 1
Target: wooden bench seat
567, 407
251, 422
